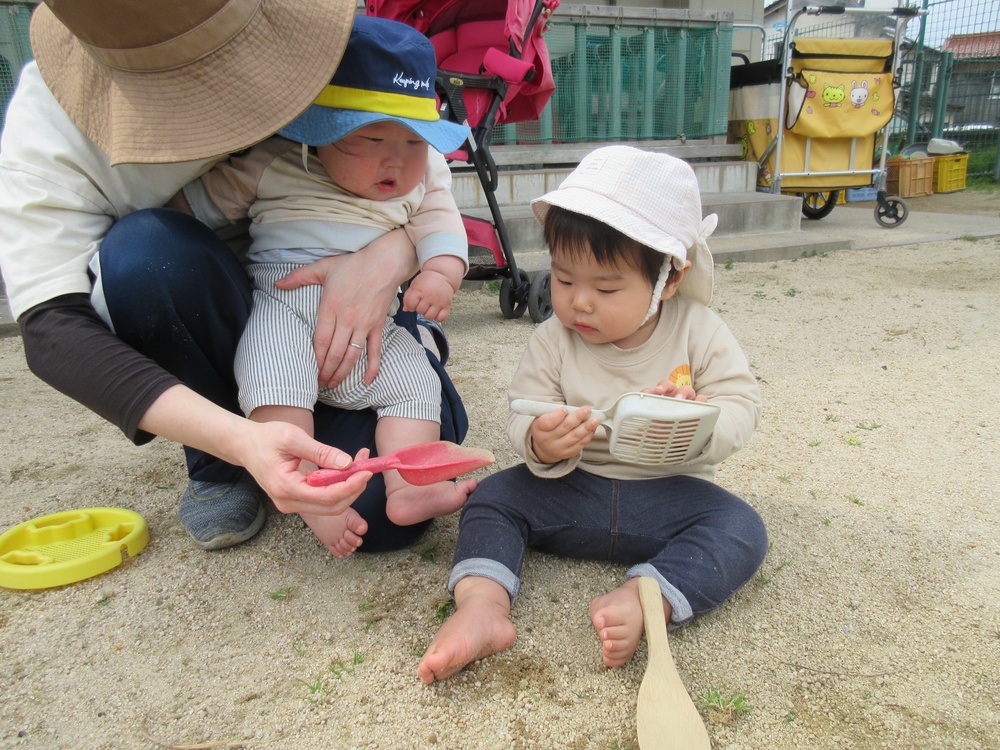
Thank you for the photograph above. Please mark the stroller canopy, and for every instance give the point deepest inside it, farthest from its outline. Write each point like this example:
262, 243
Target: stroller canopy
522, 37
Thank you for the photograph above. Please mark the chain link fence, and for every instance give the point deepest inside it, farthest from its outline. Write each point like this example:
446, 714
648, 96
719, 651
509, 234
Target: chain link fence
950, 76
957, 55
15, 49
627, 77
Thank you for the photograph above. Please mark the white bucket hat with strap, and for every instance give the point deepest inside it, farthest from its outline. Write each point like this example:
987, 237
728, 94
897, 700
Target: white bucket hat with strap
651, 197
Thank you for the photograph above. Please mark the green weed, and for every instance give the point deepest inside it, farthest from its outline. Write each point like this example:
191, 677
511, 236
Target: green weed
316, 690
445, 609
867, 426
339, 668
765, 579
724, 709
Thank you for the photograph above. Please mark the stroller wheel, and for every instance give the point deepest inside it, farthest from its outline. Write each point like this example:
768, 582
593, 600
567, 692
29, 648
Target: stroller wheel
540, 297
818, 205
892, 213
514, 297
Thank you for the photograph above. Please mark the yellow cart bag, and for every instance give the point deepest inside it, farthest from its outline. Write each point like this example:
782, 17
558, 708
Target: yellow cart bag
840, 95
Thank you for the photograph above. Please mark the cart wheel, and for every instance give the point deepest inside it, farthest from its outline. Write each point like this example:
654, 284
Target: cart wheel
513, 300
818, 205
893, 213
540, 297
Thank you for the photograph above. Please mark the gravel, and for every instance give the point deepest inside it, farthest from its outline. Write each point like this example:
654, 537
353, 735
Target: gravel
874, 622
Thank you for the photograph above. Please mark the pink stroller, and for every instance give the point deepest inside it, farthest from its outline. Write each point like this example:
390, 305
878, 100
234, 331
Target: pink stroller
493, 68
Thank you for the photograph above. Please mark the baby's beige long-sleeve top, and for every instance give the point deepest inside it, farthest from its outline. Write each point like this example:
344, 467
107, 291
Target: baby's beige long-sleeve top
690, 345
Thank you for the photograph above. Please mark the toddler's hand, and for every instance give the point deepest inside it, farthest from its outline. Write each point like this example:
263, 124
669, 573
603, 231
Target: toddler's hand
669, 388
429, 294
562, 434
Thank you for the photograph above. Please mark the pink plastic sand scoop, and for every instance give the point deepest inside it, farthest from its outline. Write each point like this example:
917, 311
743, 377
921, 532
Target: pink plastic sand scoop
421, 464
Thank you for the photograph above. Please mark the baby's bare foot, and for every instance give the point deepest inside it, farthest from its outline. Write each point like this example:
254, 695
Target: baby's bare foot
617, 618
479, 628
409, 503
340, 534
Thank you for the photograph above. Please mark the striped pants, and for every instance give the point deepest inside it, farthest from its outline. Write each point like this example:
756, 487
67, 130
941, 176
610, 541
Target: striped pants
276, 365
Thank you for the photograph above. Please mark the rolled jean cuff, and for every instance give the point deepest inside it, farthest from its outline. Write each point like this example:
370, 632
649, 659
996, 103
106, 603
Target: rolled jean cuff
678, 602
485, 568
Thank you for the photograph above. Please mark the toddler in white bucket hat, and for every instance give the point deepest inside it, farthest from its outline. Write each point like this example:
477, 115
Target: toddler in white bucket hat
631, 279
651, 198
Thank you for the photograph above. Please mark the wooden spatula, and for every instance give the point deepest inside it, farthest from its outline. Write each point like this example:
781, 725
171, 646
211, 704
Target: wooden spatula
666, 717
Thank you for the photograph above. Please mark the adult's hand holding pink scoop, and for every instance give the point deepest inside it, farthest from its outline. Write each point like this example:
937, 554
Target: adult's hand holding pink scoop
421, 464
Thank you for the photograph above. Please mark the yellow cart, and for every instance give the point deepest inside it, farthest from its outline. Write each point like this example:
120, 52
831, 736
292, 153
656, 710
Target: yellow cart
815, 119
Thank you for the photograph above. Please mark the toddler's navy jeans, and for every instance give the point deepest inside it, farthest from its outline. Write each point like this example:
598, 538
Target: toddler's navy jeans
699, 541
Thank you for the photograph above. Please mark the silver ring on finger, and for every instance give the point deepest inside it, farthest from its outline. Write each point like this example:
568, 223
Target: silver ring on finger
356, 346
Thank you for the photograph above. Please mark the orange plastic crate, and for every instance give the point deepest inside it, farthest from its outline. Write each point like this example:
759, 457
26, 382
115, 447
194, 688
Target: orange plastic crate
908, 178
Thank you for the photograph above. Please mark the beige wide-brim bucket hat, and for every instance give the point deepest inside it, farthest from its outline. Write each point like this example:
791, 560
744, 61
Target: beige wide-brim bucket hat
159, 82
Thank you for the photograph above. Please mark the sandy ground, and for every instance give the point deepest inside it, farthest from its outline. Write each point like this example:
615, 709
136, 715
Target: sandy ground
874, 622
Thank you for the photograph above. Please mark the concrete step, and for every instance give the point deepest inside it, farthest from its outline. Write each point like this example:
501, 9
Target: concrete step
739, 213
7, 325
517, 187
757, 247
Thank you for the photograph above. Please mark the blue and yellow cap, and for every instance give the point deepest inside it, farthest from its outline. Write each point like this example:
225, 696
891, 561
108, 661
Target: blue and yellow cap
387, 73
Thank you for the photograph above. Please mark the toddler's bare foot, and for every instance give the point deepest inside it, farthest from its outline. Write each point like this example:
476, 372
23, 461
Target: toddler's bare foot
479, 628
410, 503
617, 618
340, 534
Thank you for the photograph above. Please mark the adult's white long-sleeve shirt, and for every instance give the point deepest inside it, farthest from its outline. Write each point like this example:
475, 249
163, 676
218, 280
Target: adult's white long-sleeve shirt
59, 196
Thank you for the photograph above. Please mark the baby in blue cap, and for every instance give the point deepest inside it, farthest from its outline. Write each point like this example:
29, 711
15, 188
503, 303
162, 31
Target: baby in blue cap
352, 167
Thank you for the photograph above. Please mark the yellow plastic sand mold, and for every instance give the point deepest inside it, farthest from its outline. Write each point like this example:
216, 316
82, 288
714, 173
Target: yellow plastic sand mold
69, 546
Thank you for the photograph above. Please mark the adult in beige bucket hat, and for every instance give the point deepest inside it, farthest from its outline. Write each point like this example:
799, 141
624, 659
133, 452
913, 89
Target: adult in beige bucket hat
135, 310
176, 81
